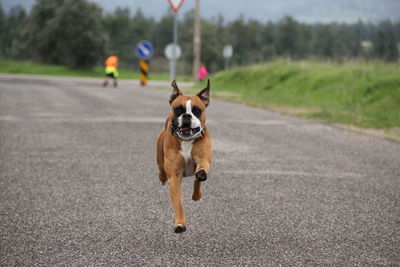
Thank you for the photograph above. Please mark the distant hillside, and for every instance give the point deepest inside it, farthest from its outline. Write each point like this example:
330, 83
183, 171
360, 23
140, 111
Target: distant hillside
262, 10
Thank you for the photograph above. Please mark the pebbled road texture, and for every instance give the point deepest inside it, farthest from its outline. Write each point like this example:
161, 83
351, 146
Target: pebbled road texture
79, 186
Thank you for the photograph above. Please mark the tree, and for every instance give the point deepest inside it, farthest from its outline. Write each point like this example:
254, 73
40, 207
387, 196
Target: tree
304, 41
12, 26
238, 38
67, 32
346, 43
287, 37
162, 34
385, 42
2, 29
323, 41
267, 41
77, 34
119, 28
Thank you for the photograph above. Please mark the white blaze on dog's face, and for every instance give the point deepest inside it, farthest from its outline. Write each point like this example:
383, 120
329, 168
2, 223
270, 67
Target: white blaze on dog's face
188, 112
188, 115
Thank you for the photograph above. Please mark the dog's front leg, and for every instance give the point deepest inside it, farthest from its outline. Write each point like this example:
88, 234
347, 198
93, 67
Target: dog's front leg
175, 193
202, 156
202, 169
196, 195
174, 185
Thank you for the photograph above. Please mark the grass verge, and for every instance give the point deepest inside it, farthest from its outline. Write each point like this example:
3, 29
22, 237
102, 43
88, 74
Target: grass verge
28, 67
362, 95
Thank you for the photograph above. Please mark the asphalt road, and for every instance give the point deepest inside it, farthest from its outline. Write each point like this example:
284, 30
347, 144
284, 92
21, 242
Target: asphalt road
79, 185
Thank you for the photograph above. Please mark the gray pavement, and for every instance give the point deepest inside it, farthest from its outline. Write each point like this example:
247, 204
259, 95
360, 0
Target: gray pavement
79, 185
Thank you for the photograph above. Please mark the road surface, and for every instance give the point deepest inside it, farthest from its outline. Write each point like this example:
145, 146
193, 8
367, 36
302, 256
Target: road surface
79, 185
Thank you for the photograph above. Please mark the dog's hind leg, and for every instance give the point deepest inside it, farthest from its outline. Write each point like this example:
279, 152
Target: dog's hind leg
160, 159
196, 195
162, 176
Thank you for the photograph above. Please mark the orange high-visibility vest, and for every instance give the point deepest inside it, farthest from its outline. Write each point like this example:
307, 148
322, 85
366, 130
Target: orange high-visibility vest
111, 61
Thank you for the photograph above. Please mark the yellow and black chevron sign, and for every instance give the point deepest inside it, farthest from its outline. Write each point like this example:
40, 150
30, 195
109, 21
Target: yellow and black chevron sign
144, 69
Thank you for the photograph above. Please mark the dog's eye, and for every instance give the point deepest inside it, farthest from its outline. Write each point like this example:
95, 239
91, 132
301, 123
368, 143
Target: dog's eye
179, 110
196, 111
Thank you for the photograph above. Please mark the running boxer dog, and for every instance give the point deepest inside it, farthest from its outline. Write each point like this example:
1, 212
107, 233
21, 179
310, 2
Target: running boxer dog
184, 147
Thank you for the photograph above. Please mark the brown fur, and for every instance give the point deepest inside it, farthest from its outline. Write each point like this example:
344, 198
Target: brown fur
170, 161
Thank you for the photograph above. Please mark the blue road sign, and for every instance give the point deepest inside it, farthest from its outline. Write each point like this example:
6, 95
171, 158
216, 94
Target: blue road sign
144, 49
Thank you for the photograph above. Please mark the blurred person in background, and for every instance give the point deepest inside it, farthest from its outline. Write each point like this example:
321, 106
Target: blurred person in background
111, 64
202, 72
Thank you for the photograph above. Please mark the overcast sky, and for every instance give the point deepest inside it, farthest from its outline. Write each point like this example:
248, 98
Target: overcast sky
263, 10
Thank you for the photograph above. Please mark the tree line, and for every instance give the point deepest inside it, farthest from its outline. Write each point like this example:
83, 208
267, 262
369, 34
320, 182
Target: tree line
78, 33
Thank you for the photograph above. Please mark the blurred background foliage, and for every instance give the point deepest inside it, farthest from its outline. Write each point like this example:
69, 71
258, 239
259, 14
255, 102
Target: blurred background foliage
77, 33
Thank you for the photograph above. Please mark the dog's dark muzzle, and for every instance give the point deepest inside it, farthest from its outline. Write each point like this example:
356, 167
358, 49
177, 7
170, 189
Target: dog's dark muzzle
188, 132
186, 121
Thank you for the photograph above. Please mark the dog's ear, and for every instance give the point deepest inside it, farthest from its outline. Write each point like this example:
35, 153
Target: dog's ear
175, 93
205, 94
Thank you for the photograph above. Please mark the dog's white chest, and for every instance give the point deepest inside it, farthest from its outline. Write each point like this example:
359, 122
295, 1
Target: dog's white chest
186, 152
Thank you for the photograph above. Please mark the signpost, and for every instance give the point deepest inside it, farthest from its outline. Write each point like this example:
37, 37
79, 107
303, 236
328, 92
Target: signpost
175, 6
196, 40
227, 53
144, 50
173, 53
170, 49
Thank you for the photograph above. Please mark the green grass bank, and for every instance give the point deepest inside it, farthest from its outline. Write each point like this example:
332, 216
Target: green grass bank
365, 95
28, 67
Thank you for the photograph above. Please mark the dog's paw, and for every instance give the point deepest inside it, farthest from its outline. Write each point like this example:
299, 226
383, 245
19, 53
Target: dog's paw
163, 180
196, 197
201, 175
179, 228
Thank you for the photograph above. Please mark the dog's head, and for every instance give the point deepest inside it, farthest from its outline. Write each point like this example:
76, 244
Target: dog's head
188, 113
